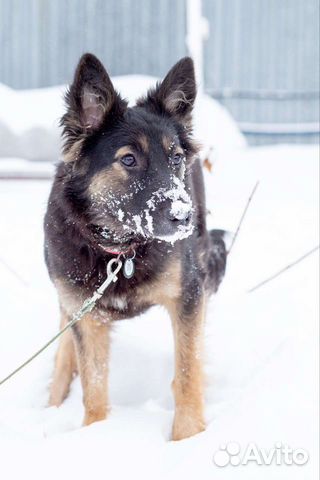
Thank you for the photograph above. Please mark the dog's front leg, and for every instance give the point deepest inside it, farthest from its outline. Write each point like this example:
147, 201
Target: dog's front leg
188, 380
92, 347
65, 366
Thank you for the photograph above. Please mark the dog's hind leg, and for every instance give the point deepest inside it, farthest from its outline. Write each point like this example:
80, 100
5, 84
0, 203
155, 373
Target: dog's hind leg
217, 259
92, 347
65, 366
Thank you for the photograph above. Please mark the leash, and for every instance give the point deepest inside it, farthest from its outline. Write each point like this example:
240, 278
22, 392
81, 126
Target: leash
87, 306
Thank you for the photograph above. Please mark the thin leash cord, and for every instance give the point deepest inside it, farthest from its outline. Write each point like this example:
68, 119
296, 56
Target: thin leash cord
87, 307
24, 364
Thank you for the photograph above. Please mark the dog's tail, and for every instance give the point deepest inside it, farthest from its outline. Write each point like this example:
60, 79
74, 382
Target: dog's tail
217, 258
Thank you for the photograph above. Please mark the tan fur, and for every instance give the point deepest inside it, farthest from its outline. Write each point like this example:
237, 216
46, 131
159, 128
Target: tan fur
91, 344
170, 147
65, 366
165, 289
72, 154
92, 353
114, 175
167, 143
143, 141
188, 336
121, 152
188, 381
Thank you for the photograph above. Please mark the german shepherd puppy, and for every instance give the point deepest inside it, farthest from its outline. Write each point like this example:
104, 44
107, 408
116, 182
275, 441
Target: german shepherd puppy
130, 183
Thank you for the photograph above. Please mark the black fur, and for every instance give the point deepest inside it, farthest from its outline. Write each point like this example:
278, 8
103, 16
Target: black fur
97, 124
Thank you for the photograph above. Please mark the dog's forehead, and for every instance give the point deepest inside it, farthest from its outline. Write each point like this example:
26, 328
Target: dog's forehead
148, 129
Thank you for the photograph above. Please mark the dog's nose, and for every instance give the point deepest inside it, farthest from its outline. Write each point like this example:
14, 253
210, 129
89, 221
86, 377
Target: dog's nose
182, 217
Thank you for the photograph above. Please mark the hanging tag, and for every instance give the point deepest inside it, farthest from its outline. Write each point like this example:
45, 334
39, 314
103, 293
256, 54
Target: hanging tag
128, 268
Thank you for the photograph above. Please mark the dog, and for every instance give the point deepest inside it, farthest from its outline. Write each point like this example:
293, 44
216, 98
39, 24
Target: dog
130, 186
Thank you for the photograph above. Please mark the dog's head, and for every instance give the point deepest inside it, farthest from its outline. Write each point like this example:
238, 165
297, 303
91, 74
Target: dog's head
127, 167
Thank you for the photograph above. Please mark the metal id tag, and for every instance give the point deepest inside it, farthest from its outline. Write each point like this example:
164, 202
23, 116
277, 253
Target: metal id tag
128, 268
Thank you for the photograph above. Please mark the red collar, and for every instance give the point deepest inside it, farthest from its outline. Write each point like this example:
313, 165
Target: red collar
112, 252
122, 252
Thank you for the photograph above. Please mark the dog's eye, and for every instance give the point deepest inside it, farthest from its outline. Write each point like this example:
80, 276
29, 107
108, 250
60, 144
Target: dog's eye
128, 160
177, 158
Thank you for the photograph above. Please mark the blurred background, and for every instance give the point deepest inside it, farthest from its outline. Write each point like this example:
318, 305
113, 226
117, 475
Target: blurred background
260, 58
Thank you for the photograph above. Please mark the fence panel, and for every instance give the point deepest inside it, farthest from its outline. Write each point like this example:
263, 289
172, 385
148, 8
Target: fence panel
262, 62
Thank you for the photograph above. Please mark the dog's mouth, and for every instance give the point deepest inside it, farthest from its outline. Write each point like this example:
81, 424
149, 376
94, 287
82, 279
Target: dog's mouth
111, 241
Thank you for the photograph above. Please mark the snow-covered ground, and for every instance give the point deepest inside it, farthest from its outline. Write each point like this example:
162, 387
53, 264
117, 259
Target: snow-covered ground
261, 347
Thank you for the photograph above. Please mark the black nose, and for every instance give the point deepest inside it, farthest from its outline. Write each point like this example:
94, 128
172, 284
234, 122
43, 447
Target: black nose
183, 219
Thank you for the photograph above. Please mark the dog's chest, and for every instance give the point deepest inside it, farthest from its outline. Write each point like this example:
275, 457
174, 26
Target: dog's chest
125, 299
115, 302
135, 300
120, 306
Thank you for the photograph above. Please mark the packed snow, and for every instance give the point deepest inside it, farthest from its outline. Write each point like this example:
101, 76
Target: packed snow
261, 356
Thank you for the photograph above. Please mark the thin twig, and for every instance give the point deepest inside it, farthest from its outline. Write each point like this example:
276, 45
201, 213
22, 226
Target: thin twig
243, 215
13, 272
275, 275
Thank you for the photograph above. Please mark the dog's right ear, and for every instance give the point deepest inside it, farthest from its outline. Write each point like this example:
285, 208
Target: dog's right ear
91, 101
176, 94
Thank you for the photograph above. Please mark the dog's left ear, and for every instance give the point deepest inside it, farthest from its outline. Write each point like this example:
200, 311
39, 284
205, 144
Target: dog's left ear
91, 102
176, 94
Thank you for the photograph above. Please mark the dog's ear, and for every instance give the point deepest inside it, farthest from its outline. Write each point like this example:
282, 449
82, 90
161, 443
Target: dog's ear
176, 94
91, 100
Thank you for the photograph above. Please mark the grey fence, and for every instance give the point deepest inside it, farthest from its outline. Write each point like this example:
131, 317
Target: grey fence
41, 40
262, 61
261, 58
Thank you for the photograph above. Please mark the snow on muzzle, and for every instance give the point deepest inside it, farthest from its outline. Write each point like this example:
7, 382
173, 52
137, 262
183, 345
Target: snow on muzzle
165, 215
176, 203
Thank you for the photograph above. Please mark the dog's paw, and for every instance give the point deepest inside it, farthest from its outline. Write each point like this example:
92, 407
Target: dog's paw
56, 398
187, 424
94, 416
